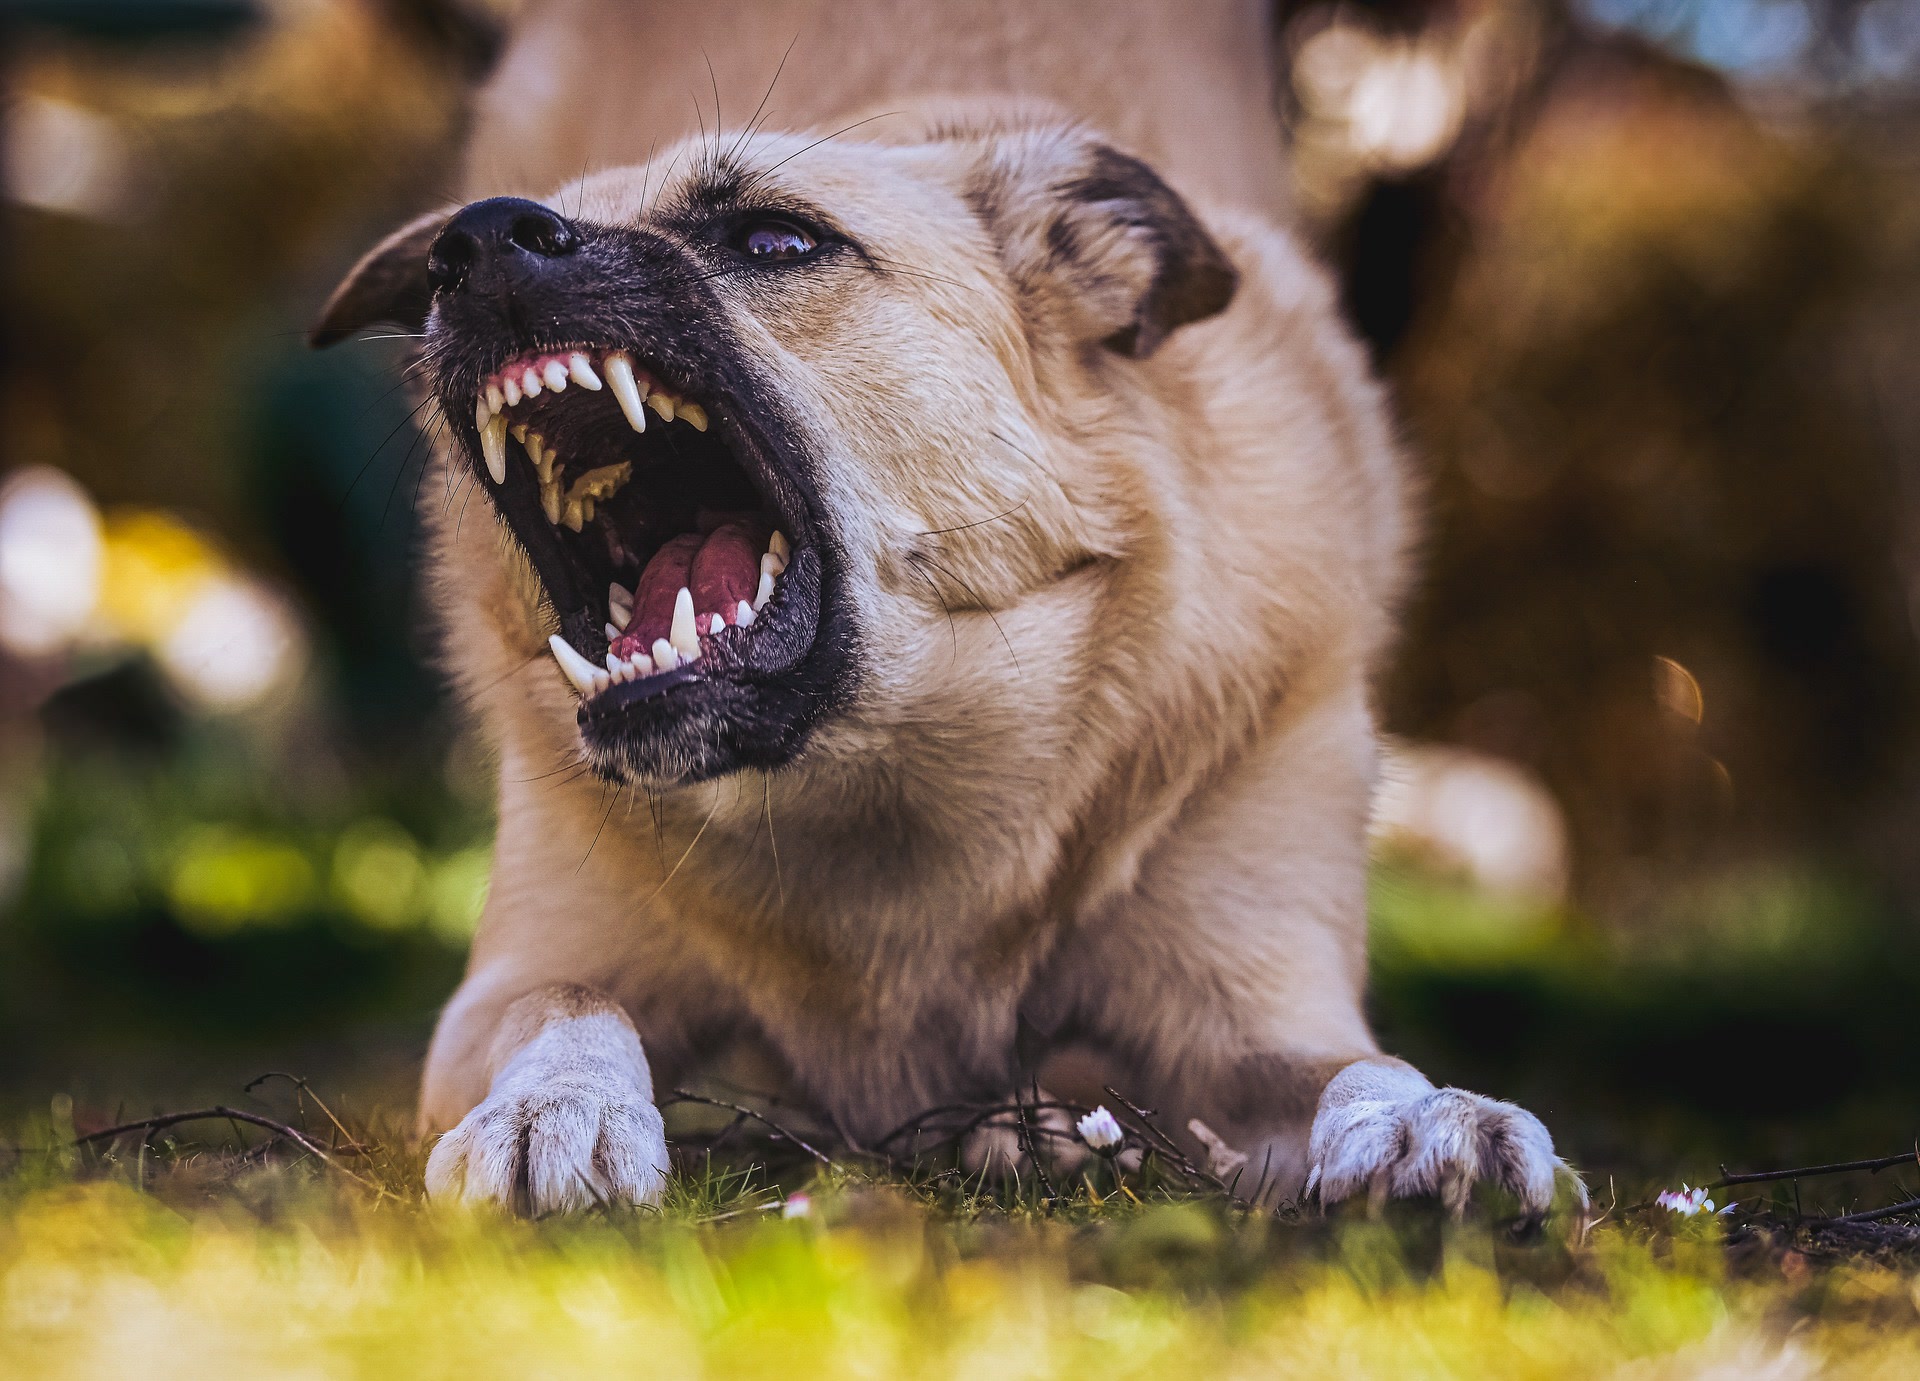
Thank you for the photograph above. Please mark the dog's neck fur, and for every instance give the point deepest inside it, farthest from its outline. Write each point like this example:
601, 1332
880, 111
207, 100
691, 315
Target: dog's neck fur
1188, 87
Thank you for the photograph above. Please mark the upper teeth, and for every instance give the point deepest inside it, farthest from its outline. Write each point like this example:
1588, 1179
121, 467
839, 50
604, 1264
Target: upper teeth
681, 646
633, 389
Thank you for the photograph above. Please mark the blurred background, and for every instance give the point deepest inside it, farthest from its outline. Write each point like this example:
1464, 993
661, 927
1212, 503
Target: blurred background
1645, 277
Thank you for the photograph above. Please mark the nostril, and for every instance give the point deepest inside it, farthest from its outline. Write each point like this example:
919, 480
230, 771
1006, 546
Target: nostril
542, 233
449, 259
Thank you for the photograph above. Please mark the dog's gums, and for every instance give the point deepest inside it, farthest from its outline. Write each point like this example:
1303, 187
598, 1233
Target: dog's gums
690, 552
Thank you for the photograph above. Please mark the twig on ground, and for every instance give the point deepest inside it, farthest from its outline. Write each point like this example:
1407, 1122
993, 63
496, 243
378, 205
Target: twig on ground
1163, 1145
1869, 1215
681, 1095
221, 1113
1841, 1167
352, 1145
1033, 1151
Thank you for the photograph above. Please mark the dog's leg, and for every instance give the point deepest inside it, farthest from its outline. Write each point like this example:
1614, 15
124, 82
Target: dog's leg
568, 1120
1233, 973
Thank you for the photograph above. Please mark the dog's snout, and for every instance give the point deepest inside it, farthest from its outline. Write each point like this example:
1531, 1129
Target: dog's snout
502, 241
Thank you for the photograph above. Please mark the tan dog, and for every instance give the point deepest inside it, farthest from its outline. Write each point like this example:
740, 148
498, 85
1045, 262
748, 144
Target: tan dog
925, 595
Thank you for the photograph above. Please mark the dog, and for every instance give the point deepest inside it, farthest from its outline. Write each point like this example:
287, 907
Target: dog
936, 537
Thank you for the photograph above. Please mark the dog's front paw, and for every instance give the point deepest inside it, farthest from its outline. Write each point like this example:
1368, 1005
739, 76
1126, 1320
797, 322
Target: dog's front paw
1385, 1130
559, 1131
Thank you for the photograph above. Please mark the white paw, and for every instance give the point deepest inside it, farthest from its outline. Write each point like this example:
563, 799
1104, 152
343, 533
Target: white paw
1386, 1131
568, 1124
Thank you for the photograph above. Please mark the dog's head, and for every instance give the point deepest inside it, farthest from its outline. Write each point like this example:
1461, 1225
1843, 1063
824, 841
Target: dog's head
761, 415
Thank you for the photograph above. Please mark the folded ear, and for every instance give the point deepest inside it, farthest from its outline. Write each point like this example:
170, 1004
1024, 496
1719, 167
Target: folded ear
389, 284
1097, 241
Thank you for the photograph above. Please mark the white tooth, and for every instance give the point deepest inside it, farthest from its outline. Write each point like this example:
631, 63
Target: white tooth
530, 383
513, 390
579, 670
664, 657
493, 445
772, 565
743, 616
482, 414
550, 501
626, 389
620, 604
684, 634
495, 399
765, 592
617, 668
694, 416
661, 403
715, 623
601, 681
613, 631
641, 663
778, 546
580, 368
555, 376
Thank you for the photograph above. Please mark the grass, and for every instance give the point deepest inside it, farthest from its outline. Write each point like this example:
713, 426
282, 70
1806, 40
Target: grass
209, 1258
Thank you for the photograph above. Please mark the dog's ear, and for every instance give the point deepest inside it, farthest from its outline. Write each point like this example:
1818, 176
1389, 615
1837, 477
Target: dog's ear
389, 284
1098, 242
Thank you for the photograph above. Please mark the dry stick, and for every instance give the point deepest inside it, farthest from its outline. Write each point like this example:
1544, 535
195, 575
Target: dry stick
1892, 1211
217, 1114
1837, 1168
1167, 1146
681, 1095
978, 1113
1033, 1152
353, 1145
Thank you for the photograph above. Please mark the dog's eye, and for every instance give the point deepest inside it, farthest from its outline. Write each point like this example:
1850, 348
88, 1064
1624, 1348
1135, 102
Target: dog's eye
772, 241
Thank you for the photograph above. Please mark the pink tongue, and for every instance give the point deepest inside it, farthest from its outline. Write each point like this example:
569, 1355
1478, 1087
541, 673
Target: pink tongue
722, 569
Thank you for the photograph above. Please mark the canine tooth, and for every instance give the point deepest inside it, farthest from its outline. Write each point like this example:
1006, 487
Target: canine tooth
512, 388
620, 604
580, 370
482, 414
778, 546
496, 400
626, 389
772, 565
694, 416
601, 681
578, 669
493, 445
765, 592
550, 501
715, 623
530, 383
612, 631
664, 657
685, 634
661, 403
743, 616
555, 376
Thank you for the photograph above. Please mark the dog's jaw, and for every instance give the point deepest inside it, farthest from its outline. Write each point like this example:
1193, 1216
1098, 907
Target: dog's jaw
666, 505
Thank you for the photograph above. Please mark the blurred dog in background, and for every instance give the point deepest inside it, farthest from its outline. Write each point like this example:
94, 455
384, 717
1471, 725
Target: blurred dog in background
937, 540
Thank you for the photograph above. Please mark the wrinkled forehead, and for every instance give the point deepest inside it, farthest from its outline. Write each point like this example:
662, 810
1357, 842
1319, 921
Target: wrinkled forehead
856, 185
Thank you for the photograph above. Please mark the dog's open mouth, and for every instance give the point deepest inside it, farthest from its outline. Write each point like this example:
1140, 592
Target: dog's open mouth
660, 533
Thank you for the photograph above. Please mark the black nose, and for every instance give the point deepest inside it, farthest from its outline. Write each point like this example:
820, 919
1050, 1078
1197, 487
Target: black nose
502, 242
